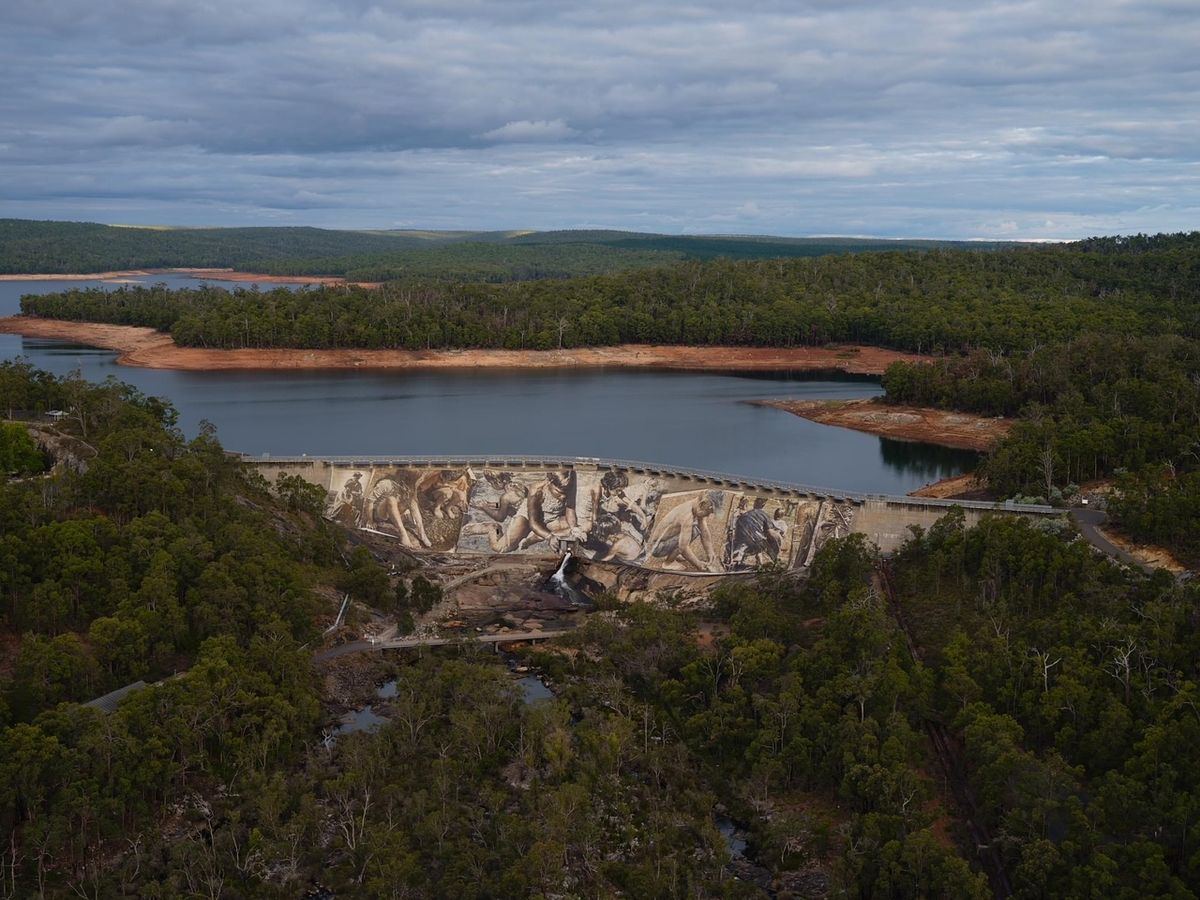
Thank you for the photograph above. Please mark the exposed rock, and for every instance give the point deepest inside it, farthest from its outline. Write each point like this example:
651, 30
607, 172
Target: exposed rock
68, 452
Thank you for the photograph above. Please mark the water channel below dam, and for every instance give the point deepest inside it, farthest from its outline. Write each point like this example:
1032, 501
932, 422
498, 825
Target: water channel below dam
695, 420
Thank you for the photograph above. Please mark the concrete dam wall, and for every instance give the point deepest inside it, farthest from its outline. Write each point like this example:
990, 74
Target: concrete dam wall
608, 510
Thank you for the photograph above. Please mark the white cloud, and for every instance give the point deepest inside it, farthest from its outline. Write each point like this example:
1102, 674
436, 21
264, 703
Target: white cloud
526, 131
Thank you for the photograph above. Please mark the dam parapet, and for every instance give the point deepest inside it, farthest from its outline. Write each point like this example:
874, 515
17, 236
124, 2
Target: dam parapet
610, 510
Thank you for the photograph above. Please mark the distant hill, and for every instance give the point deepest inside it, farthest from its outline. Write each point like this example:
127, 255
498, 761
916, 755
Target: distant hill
28, 246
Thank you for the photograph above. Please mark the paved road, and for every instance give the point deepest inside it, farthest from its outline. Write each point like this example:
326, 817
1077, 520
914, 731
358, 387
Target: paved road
406, 643
1089, 521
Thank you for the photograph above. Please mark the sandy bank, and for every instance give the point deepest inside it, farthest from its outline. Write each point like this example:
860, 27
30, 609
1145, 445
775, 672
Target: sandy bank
907, 423
201, 274
147, 348
259, 278
957, 487
94, 276
1146, 553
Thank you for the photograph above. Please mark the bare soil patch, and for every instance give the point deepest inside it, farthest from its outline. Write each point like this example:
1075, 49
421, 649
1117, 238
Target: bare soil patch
906, 423
147, 348
967, 486
94, 276
1146, 553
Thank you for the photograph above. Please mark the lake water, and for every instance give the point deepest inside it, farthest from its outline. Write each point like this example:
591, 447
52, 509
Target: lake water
685, 419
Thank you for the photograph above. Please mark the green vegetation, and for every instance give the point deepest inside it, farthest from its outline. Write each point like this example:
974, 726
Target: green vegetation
28, 247
1087, 408
159, 557
18, 453
1068, 687
1007, 301
483, 262
1102, 401
1072, 688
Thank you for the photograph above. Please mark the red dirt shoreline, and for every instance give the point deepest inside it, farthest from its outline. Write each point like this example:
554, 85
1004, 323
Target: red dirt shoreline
150, 349
906, 423
201, 274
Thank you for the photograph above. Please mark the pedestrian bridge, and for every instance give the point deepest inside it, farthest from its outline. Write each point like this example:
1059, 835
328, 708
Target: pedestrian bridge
653, 516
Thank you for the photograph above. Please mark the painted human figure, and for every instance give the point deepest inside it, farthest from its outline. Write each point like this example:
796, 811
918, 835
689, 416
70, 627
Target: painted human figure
620, 522
350, 498
384, 501
545, 514
755, 536
682, 525
512, 496
445, 493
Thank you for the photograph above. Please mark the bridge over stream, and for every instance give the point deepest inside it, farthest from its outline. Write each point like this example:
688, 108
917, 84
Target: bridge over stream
656, 517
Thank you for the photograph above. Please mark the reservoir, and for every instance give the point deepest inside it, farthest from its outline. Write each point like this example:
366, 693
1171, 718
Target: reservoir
672, 418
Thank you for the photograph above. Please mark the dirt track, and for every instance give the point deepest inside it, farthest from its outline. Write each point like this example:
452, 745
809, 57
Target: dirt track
150, 349
907, 423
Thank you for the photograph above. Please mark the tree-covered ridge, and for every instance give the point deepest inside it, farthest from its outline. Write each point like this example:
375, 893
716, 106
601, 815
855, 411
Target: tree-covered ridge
1073, 689
478, 261
1005, 300
121, 564
28, 247
149, 554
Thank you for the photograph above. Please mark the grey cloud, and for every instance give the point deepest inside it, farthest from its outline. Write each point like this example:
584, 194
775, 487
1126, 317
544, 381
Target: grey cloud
914, 118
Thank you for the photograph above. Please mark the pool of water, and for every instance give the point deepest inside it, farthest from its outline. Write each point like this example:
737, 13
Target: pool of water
684, 419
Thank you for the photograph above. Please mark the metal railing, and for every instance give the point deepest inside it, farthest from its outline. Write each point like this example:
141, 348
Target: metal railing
502, 460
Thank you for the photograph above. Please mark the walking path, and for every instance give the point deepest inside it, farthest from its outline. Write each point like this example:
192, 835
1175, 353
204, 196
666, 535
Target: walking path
410, 642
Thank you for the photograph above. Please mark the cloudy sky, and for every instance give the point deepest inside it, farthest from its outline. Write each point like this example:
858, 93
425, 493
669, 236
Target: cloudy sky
1036, 119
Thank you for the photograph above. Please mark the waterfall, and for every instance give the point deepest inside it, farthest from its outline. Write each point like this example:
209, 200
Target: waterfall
559, 579
558, 584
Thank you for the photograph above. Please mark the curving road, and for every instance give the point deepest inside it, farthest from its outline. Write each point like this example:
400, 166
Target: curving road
1089, 522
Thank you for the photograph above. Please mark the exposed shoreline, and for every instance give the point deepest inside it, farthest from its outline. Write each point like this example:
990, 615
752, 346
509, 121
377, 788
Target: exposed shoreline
198, 273
147, 348
962, 431
966, 486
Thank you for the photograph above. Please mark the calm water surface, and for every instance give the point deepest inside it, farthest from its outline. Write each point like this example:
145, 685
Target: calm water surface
685, 419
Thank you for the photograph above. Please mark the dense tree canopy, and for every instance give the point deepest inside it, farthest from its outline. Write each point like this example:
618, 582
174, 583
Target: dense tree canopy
28, 247
1010, 300
1068, 686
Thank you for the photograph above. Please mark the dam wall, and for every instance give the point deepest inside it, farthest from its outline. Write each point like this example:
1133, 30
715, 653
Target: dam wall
634, 513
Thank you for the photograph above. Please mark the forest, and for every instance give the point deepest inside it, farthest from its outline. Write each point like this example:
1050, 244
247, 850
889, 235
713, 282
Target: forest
31, 247
1007, 301
803, 709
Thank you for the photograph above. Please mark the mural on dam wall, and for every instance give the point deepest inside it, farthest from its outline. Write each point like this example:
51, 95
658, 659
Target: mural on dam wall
761, 530
534, 512
607, 515
817, 522
689, 533
622, 515
603, 516
423, 509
